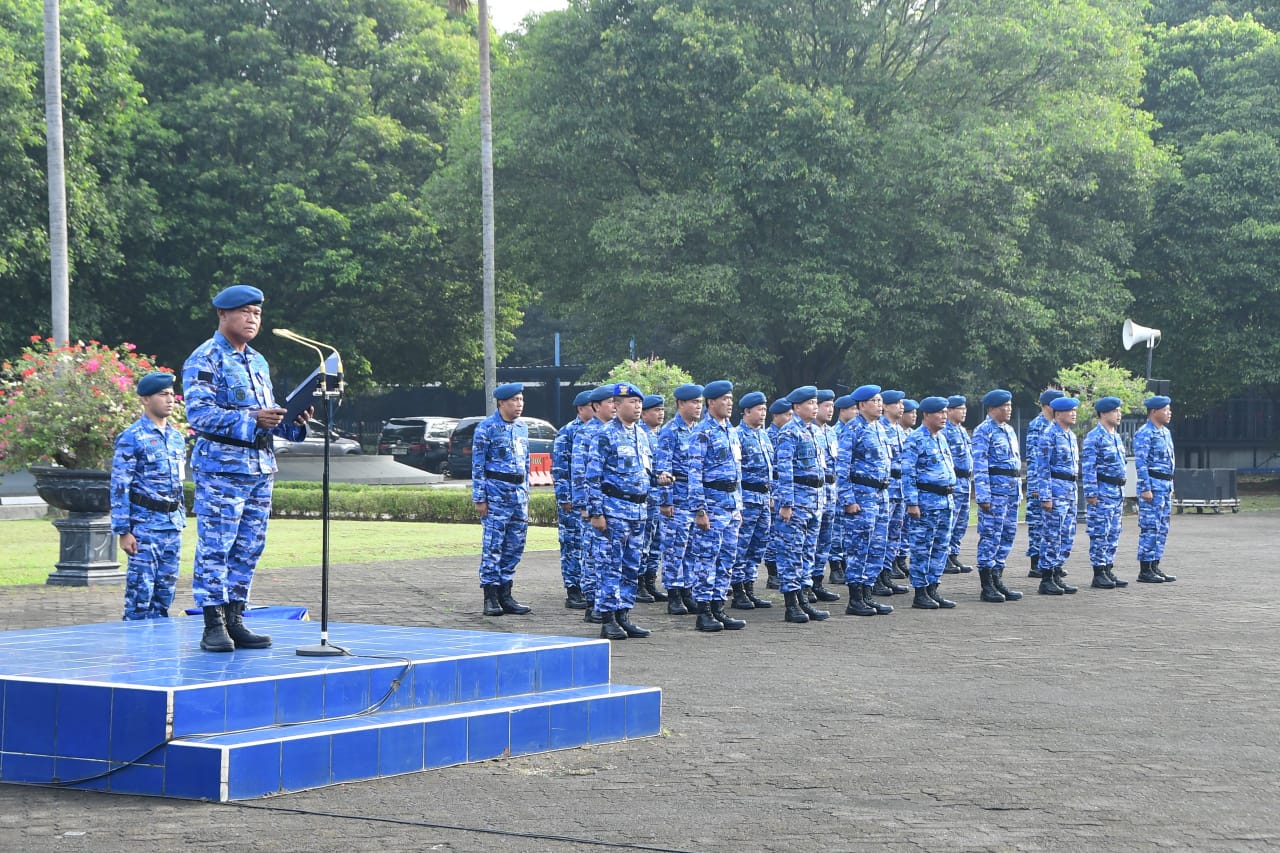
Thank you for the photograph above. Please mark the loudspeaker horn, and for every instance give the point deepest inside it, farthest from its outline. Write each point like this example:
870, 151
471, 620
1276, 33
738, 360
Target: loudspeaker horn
1135, 334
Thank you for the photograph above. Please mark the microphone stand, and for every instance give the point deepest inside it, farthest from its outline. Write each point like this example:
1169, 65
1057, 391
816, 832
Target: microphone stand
329, 391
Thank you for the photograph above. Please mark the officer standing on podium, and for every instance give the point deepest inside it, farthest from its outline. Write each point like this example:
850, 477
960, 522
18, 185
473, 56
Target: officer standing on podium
500, 492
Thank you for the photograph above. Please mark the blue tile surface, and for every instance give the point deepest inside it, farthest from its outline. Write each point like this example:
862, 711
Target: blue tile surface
254, 771
644, 714
346, 692
590, 665
200, 710
516, 673
250, 704
30, 717
138, 779
137, 722
530, 730
70, 772
19, 767
607, 719
477, 678
568, 725
304, 763
446, 742
488, 735
435, 682
192, 772
400, 749
355, 755
83, 721
299, 700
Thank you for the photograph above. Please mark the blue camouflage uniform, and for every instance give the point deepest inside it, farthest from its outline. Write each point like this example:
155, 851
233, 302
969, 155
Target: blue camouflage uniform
1057, 473
500, 477
757, 481
774, 540
568, 522
1103, 468
1035, 514
928, 478
146, 500
862, 470
674, 459
997, 469
651, 557
897, 439
715, 487
1153, 458
962, 455
589, 543
616, 480
800, 486
233, 463
828, 526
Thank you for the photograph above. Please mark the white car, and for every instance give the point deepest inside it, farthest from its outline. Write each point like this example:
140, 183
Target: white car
313, 444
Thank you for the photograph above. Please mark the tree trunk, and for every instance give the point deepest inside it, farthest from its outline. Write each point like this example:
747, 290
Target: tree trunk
486, 196
60, 286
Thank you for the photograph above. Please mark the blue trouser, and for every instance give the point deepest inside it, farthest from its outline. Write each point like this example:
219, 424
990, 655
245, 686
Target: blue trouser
896, 544
1035, 525
828, 533
651, 551
675, 549
711, 553
1059, 526
594, 548
799, 541
153, 574
866, 535
569, 526
774, 542
617, 562
929, 536
960, 523
1103, 524
1153, 524
502, 545
753, 536
997, 528
231, 531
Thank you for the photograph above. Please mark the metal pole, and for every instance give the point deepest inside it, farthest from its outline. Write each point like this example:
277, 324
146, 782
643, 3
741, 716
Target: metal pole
60, 288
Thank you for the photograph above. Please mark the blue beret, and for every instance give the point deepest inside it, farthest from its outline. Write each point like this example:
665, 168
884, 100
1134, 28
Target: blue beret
998, 397
802, 394
1049, 396
687, 392
626, 389
845, 402
717, 389
1107, 404
750, 401
237, 296
507, 391
583, 398
780, 406
909, 405
891, 397
154, 383
826, 395
864, 393
1159, 401
599, 395
955, 401
1065, 404
653, 401
933, 405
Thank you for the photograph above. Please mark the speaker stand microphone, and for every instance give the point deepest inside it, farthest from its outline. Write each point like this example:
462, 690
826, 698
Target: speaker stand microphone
327, 383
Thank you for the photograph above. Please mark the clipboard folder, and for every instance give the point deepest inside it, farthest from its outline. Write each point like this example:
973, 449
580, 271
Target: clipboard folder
304, 396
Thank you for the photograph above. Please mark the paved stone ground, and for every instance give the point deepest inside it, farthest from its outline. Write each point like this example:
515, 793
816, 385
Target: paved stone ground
1141, 719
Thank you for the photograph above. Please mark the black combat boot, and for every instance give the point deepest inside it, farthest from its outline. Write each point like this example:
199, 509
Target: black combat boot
740, 599
807, 594
686, 595
1147, 574
651, 584
997, 580
771, 566
1048, 586
609, 627
595, 617
857, 606
822, 593
989, 591
508, 602
574, 599
945, 604
216, 638
922, 600
879, 607
886, 577
1100, 579
1060, 578
675, 602
880, 587
954, 566
706, 620
749, 587
642, 592
900, 572
623, 620
236, 630
837, 572
1167, 578
492, 603
716, 606
1111, 575
793, 613
814, 614
1035, 568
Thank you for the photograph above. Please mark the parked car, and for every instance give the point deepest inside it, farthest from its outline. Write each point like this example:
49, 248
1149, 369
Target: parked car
422, 442
313, 444
541, 436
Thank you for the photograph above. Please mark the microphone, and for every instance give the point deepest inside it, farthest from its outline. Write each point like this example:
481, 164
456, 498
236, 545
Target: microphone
329, 367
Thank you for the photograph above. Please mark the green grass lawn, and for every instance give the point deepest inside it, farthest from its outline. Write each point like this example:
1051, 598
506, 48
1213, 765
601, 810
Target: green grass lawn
31, 546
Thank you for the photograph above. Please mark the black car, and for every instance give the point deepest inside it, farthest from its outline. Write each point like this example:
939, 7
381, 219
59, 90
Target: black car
422, 442
541, 436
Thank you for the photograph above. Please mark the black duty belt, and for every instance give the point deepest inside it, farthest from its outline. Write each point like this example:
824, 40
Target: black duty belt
1114, 481
860, 480
1003, 472
759, 488
964, 472
1057, 475
811, 482
680, 478
897, 475
934, 489
152, 503
1160, 475
262, 442
721, 485
829, 479
515, 479
614, 492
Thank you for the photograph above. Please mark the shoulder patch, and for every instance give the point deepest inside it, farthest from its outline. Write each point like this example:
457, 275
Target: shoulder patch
205, 376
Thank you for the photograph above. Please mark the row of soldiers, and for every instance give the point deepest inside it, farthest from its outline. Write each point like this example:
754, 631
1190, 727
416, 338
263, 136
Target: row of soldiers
848, 484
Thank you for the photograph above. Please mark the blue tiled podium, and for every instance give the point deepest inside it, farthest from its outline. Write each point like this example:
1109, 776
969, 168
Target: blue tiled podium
141, 699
